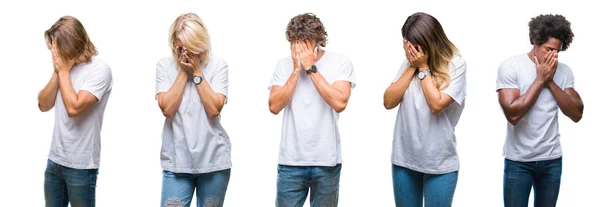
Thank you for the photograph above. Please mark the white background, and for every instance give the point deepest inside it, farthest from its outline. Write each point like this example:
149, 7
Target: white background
131, 37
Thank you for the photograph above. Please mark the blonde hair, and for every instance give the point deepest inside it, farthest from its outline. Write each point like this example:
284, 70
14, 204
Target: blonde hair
425, 30
71, 40
192, 33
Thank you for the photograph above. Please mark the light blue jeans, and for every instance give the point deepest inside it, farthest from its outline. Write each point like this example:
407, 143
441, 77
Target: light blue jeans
178, 188
412, 187
294, 182
63, 185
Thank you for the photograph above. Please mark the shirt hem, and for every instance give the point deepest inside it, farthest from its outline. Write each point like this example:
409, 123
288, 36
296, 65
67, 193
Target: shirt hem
328, 164
78, 167
197, 171
533, 159
418, 169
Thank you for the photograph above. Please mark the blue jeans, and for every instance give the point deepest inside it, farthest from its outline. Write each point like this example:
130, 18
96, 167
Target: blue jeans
519, 177
63, 185
178, 188
294, 182
410, 187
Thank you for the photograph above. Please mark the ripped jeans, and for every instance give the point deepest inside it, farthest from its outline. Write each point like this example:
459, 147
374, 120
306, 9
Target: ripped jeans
178, 188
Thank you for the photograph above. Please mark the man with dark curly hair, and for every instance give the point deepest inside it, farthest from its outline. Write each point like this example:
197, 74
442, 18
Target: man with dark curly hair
313, 85
531, 88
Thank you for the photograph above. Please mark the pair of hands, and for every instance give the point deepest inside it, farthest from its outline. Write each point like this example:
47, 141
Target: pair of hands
547, 67
302, 55
61, 64
417, 58
188, 61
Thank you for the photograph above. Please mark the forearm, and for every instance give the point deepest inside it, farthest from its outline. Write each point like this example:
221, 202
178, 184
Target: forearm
68, 94
169, 102
47, 96
210, 100
521, 105
432, 94
333, 97
394, 93
571, 106
281, 97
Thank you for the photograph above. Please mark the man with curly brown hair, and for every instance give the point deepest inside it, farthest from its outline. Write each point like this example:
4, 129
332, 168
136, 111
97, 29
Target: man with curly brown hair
313, 85
531, 88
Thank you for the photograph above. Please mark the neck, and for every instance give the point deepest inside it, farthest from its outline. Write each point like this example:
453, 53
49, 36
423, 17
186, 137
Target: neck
531, 55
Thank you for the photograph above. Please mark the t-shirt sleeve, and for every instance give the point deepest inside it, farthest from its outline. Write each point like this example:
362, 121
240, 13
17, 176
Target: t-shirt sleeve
507, 76
163, 83
278, 78
347, 72
220, 81
457, 88
570, 79
99, 82
401, 70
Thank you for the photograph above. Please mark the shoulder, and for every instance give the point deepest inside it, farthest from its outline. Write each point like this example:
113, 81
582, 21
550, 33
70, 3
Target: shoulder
284, 62
564, 68
334, 56
215, 62
166, 62
458, 61
98, 66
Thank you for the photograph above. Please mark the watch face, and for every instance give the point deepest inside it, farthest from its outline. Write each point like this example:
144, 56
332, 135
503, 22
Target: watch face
196, 79
421, 75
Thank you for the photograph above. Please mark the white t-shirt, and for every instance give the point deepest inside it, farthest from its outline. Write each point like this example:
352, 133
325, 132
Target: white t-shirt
424, 141
535, 137
309, 135
192, 142
76, 141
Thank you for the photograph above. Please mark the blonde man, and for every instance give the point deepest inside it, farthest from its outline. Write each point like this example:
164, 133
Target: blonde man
191, 89
79, 88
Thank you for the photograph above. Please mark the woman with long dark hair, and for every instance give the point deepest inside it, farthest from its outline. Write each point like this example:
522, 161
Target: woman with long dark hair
429, 91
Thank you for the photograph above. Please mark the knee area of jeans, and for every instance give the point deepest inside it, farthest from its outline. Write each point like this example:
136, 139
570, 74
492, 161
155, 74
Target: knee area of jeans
173, 202
212, 202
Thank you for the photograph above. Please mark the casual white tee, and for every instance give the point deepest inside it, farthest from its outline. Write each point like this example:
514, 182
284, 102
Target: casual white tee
535, 137
424, 141
76, 140
309, 135
192, 142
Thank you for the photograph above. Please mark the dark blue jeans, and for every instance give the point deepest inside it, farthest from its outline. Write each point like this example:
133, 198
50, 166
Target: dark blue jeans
178, 188
294, 182
63, 185
412, 187
519, 177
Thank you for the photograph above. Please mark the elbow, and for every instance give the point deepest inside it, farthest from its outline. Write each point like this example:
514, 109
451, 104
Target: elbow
71, 112
340, 107
213, 113
389, 105
436, 109
44, 108
577, 117
513, 120
274, 110
169, 114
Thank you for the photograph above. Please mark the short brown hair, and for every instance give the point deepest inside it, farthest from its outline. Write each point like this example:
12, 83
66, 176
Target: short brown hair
306, 26
71, 39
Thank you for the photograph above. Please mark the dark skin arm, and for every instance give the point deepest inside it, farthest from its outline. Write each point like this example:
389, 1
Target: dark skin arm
514, 105
568, 101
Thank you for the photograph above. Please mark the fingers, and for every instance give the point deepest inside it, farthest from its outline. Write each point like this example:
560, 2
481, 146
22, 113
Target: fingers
537, 63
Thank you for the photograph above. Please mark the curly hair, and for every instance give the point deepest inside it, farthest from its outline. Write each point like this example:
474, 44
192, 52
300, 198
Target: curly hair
543, 27
306, 26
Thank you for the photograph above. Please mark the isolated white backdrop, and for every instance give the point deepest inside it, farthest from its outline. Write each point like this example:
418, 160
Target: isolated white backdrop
131, 37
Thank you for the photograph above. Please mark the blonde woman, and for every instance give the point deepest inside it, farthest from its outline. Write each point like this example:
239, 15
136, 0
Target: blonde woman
430, 90
191, 89
79, 89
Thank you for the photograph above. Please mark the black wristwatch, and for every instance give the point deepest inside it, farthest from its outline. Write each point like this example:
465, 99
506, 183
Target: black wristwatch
198, 79
312, 69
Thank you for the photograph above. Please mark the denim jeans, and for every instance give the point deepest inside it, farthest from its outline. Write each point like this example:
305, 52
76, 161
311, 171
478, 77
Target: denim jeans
543, 176
411, 187
178, 188
63, 185
294, 182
